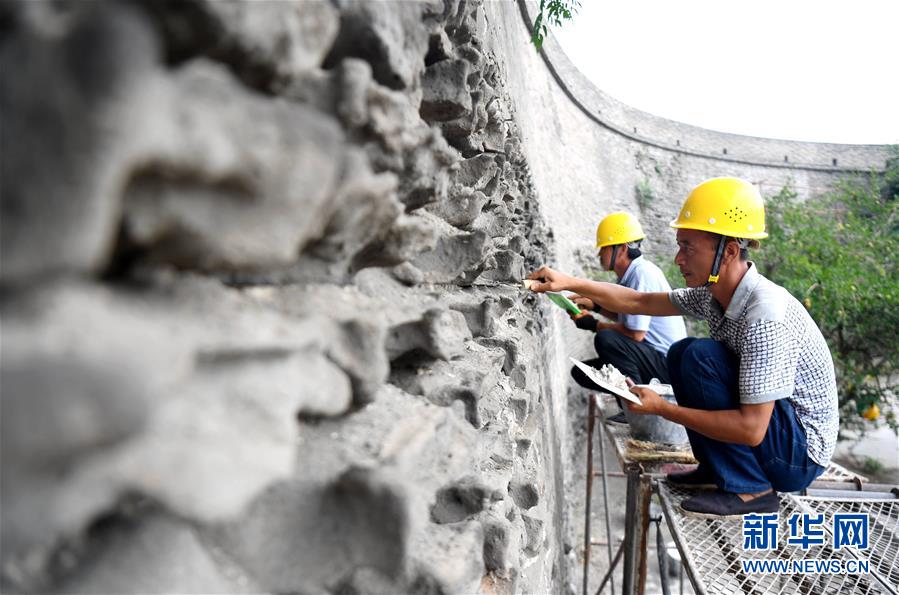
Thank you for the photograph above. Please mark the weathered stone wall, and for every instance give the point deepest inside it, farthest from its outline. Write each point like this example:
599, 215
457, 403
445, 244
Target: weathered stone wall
262, 330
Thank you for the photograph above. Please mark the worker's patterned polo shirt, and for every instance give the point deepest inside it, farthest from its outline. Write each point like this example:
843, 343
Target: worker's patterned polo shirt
782, 352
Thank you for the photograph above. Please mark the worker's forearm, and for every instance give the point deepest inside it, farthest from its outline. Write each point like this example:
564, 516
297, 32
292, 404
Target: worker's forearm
726, 425
607, 313
618, 327
612, 297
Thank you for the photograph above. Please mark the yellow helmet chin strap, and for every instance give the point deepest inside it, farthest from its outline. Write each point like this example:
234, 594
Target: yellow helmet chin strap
719, 255
612, 257
627, 245
716, 265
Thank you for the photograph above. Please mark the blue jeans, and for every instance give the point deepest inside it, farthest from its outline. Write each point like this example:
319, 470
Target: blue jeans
704, 374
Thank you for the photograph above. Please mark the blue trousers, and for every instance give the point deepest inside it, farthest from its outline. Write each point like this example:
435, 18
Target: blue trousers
704, 374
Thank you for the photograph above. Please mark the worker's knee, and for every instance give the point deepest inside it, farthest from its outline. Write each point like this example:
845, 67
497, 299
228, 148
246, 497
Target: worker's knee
676, 353
705, 373
704, 357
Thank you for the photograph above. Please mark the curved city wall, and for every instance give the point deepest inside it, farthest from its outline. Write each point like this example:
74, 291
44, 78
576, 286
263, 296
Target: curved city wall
262, 323
591, 154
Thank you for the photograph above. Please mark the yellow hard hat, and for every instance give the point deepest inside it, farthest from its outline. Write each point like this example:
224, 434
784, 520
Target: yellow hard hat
618, 228
726, 206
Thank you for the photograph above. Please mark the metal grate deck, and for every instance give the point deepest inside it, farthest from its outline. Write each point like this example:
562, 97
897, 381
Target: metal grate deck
836, 472
883, 552
712, 549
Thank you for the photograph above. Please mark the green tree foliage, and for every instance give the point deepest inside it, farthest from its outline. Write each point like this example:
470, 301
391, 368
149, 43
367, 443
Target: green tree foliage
837, 254
552, 12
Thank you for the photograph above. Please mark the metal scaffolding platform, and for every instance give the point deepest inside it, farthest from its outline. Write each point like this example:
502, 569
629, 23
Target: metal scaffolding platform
712, 550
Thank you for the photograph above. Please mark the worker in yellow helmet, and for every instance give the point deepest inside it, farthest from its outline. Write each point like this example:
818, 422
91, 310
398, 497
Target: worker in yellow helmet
633, 343
759, 397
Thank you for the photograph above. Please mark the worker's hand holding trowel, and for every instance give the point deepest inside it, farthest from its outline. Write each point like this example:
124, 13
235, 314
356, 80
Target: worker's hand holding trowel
549, 280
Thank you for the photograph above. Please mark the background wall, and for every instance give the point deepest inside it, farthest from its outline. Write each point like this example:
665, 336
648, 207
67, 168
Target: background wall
589, 153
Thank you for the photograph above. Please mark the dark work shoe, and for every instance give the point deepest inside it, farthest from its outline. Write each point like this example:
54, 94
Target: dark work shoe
697, 478
618, 418
725, 505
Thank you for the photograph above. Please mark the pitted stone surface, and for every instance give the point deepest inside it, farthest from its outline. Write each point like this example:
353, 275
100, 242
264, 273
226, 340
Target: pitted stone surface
461, 499
440, 334
451, 559
270, 341
153, 553
176, 412
446, 96
303, 536
219, 197
267, 44
393, 40
501, 547
101, 67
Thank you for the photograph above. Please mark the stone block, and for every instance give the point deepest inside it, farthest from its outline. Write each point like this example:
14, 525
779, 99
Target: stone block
307, 537
439, 334
239, 181
466, 379
524, 494
56, 409
508, 267
482, 315
449, 559
407, 274
439, 47
475, 172
457, 258
357, 346
461, 207
501, 547
392, 37
365, 207
267, 44
154, 553
461, 499
534, 535
405, 239
74, 92
445, 91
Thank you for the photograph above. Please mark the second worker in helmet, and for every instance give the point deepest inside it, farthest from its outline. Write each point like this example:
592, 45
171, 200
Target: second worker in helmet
634, 343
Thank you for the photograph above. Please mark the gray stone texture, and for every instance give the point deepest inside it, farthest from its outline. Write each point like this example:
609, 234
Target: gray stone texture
101, 66
263, 328
213, 381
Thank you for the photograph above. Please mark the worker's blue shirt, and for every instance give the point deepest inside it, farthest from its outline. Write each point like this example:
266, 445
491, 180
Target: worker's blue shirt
661, 331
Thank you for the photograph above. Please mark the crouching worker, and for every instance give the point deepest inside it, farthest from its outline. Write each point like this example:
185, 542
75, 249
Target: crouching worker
634, 343
759, 397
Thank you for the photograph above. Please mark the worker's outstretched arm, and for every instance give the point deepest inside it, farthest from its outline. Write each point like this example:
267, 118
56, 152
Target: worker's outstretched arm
747, 424
608, 295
